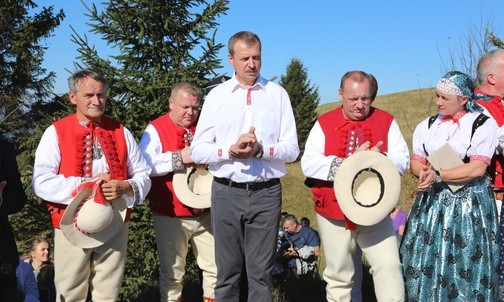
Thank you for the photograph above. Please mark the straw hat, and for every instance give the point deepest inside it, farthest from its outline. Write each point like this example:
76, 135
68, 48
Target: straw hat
90, 220
193, 187
367, 187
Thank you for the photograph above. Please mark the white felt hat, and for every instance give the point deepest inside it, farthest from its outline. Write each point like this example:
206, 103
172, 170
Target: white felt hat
193, 187
87, 223
367, 187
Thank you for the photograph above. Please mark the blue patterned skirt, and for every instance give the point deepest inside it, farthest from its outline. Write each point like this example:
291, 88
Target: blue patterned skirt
450, 248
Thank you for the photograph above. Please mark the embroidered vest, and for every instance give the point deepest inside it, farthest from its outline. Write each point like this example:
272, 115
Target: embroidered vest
496, 109
162, 198
71, 139
341, 138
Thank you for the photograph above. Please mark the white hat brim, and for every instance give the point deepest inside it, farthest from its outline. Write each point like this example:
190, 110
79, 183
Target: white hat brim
82, 240
182, 187
367, 187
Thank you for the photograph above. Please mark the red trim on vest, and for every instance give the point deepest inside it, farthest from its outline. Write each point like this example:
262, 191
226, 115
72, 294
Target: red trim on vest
338, 137
162, 199
496, 109
67, 130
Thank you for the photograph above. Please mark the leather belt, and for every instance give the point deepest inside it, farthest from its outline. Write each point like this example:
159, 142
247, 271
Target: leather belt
249, 186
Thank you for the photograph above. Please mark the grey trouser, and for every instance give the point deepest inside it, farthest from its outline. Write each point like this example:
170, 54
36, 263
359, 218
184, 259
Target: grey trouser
245, 224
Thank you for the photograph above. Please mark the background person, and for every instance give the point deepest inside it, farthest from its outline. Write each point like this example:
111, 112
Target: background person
27, 282
72, 151
165, 145
43, 269
246, 133
455, 233
304, 246
399, 218
12, 200
353, 127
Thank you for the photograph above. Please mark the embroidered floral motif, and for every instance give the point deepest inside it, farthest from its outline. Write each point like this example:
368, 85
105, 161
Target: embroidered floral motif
177, 163
482, 158
419, 158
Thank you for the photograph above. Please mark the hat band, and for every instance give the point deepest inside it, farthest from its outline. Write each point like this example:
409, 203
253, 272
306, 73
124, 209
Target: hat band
382, 185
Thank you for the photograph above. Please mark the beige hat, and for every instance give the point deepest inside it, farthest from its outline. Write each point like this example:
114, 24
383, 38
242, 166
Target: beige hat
367, 187
90, 220
193, 187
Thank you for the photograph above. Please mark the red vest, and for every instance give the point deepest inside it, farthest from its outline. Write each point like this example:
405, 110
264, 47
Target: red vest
70, 139
496, 109
162, 199
338, 132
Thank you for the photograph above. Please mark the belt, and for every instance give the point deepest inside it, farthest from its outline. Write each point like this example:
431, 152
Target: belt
249, 186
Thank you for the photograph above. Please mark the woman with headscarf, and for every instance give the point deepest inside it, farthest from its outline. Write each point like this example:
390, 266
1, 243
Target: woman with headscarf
450, 249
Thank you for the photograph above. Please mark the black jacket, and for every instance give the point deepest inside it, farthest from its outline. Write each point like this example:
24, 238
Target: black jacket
14, 198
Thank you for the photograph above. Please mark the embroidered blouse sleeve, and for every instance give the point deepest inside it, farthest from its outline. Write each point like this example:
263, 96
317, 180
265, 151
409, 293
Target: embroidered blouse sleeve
484, 142
419, 140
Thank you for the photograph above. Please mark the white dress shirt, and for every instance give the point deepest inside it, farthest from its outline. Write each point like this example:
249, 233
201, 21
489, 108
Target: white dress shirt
228, 112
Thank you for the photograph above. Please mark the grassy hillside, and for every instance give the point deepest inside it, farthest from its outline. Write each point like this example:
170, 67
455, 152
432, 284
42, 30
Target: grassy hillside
409, 108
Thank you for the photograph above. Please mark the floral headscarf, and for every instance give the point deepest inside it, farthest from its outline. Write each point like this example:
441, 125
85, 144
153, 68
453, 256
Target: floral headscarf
460, 84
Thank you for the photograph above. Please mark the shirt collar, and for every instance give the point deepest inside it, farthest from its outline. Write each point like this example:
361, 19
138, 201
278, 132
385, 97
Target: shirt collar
260, 83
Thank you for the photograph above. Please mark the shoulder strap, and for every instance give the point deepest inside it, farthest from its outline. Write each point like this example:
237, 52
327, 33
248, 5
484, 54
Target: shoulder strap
480, 120
431, 120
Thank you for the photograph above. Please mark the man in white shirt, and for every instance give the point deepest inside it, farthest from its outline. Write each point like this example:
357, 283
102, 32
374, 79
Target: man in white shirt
352, 127
88, 146
246, 133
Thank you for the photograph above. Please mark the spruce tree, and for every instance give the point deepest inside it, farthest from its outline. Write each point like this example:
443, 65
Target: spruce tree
157, 44
304, 98
23, 84
22, 78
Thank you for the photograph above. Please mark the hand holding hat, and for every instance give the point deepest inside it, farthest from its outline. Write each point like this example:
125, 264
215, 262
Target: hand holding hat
91, 220
367, 187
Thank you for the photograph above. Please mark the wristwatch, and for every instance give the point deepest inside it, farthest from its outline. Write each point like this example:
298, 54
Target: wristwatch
438, 176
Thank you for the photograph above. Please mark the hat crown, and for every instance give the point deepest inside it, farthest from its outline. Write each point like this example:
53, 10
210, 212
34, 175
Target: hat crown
93, 217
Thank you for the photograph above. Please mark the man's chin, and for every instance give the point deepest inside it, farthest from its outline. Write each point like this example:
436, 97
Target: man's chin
94, 117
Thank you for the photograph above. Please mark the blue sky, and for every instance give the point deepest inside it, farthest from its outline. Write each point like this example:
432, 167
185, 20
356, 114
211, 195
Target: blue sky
403, 43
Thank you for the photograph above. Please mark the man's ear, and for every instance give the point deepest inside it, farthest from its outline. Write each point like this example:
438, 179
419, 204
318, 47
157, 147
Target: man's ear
491, 79
71, 97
